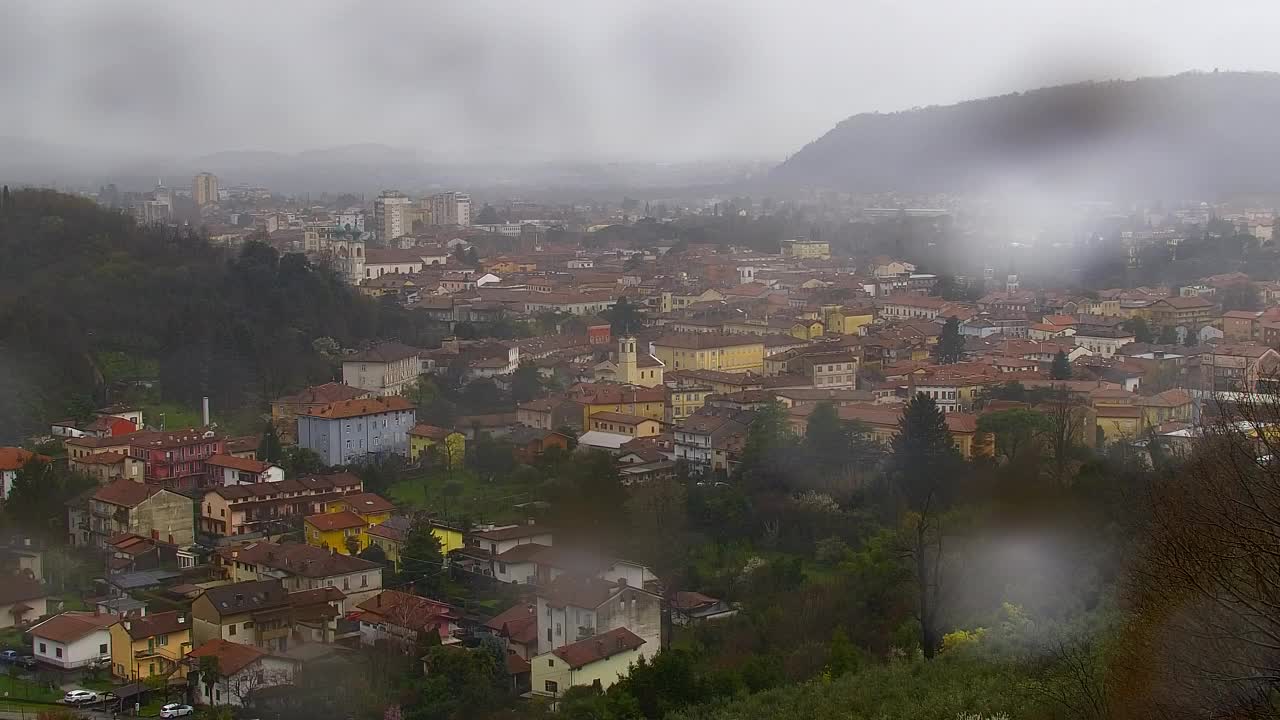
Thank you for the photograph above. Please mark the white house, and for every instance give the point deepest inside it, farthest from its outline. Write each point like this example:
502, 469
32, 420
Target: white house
21, 599
73, 639
232, 470
242, 670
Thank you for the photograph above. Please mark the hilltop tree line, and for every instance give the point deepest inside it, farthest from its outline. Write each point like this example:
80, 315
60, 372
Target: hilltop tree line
83, 285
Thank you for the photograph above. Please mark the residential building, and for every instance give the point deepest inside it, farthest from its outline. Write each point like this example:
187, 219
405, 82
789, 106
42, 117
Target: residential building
242, 671
12, 459
285, 409
388, 368
451, 208
343, 524
204, 189
710, 351
1241, 325
252, 612
574, 607
22, 599
802, 249
149, 646
528, 444
632, 425
105, 467
445, 446
302, 567
400, 618
232, 470
1239, 367
548, 413
390, 535
710, 439
389, 215
350, 431
912, 306
1101, 340
72, 639
1185, 312
125, 506
882, 423
394, 262
609, 397
271, 507
598, 661
1175, 405
518, 627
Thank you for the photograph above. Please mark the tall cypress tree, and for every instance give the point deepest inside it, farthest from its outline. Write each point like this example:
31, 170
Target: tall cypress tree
950, 347
269, 449
924, 471
1061, 369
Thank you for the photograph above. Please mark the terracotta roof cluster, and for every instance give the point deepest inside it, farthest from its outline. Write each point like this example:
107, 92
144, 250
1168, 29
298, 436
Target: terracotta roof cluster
303, 560
238, 463
324, 394
519, 623
367, 502
432, 432
13, 458
20, 588
362, 407
408, 611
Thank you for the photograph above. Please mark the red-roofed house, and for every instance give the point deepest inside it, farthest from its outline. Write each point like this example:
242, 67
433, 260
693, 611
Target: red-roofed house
242, 670
600, 659
232, 470
11, 461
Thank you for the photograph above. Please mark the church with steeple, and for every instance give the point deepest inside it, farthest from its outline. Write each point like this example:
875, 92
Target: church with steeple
629, 366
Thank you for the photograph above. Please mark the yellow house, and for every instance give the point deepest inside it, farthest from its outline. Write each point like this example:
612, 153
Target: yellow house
807, 329
847, 321
688, 399
390, 537
343, 525
710, 351
633, 425
630, 400
1168, 406
601, 659
149, 646
452, 444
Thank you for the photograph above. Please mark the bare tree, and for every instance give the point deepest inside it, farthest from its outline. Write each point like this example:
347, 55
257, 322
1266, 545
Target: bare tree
1203, 638
1065, 431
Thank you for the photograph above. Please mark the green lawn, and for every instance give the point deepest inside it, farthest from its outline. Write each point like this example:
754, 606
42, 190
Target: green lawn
461, 493
176, 417
73, 601
14, 688
12, 639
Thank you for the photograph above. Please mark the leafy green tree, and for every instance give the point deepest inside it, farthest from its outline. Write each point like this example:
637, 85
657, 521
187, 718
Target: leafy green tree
1242, 296
842, 655
298, 461
950, 347
374, 553
269, 449
924, 469
1168, 336
526, 383
459, 685
1061, 368
487, 216
624, 318
1140, 328
766, 450
37, 500
1015, 430
421, 562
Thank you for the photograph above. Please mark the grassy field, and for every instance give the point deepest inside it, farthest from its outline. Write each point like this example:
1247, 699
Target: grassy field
461, 494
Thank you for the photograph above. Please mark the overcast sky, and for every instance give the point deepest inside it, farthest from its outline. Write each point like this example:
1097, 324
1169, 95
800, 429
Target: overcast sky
597, 79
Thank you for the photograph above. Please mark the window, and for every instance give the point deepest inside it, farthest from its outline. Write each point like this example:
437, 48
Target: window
102, 649
552, 687
559, 630
162, 640
364, 580
548, 639
248, 625
57, 652
502, 567
551, 662
231, 629
44, 651
346, 583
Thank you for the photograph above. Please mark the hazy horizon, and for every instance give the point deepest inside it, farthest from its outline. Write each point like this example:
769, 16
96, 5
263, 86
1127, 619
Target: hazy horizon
491, 82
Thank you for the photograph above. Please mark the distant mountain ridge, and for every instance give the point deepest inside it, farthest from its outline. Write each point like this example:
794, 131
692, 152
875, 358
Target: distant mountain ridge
1193, 134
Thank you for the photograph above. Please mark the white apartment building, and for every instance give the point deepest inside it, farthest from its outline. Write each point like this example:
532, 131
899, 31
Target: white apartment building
451, 208
389, 214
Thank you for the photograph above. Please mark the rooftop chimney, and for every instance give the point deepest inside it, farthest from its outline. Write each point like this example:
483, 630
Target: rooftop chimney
204, 410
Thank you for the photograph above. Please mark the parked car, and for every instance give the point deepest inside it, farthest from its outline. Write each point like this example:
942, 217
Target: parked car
9, 656
173, 710
77, 697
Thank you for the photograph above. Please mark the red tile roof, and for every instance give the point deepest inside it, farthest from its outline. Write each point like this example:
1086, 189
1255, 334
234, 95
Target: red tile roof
238, 463
518, 623
599, 647
368, 503
327, 522
13, 458
125, 493
71, 626
232, 657
362, 407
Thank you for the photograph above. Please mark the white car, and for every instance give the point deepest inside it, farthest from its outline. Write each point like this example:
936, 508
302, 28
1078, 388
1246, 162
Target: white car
173, 710
75, 697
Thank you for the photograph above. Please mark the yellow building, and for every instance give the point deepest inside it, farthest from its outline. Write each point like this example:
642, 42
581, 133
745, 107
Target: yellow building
630, 366
802, 249
599, 660
390, 537
451, 443
343, 525
847, 321
633, 425
149, 646
630, 400
710, 351
688, 399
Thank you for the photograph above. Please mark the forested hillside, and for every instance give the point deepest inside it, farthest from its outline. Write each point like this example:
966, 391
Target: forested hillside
89, 300
1195, 134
